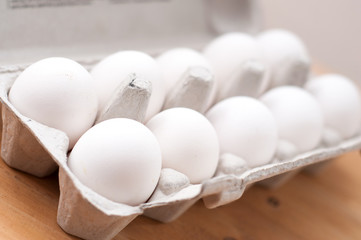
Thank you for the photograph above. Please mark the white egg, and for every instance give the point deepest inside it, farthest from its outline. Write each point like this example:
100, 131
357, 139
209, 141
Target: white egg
114, 69
340, 103
286, 57
298, 116
245, 128
227, 54
175, 62
119, 159
188, 142
56, 92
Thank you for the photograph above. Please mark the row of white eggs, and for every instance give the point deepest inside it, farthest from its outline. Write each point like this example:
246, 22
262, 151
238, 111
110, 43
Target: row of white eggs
121, 159
66, 97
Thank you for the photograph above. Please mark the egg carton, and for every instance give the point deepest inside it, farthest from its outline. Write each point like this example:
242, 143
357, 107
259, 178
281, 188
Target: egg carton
37, 149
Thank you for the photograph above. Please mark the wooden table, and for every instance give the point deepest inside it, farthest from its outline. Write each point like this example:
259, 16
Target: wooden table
326, 206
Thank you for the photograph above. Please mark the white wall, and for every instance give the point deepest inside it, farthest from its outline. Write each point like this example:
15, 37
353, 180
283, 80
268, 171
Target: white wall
331, 29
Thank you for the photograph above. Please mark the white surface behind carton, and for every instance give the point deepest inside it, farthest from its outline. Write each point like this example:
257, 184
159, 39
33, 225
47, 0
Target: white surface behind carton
35, 29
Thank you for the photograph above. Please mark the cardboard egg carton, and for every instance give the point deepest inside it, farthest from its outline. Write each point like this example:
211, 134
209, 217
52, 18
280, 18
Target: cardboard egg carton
37, 149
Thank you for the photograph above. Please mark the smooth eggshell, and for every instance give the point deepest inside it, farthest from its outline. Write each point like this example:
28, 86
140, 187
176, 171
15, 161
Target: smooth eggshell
245, 128
340, 103
298, 116
119, 159
175, 62
114, 69
56, 92
227, 53
188, 142
286, 56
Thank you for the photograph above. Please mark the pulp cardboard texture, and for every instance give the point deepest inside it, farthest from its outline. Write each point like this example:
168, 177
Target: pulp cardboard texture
37, 149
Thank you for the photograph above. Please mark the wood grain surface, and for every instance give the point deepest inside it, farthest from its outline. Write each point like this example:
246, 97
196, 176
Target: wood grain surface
324, 206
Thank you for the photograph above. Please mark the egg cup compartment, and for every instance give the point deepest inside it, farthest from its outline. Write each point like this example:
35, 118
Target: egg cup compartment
86, 214
314, 169
276, 181
20, 146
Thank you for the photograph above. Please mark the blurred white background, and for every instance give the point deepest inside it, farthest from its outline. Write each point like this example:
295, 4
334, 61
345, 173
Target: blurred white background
331, 29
